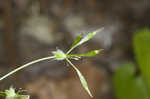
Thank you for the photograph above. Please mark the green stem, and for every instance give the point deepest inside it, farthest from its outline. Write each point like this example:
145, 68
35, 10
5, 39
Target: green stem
70, 50
26, 65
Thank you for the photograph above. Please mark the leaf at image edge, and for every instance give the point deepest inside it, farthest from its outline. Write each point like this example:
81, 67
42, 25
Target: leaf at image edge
129, 86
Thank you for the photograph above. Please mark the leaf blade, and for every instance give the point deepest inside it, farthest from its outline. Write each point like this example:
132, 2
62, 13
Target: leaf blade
91, 53
81, 77
89, 36
75, 43
79, 40
128, 85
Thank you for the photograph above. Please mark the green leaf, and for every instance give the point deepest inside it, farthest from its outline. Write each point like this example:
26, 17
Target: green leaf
91, 53
128, 85
2, 93
82, 79
141, 89
141, 43
79, 40
75, 43
89, 36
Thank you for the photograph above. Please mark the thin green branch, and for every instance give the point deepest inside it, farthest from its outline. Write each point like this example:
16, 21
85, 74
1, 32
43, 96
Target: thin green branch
26, 65
70, 50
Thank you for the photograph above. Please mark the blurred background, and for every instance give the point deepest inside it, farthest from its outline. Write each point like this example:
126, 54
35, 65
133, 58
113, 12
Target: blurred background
31, 29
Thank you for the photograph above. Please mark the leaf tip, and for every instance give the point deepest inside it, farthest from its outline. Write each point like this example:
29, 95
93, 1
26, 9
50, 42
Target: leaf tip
99, 30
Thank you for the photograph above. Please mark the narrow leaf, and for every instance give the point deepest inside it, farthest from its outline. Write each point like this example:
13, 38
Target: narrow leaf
91, 53
2, 93
75, 43
89, 36
82, 79
79, 40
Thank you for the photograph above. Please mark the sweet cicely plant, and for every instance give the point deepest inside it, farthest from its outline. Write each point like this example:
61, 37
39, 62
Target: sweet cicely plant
60, 55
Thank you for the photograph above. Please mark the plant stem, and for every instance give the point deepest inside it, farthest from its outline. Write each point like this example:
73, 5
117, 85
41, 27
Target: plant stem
26, 65
70, 50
